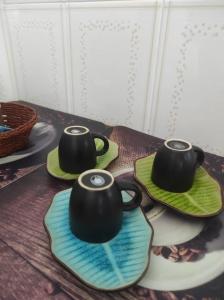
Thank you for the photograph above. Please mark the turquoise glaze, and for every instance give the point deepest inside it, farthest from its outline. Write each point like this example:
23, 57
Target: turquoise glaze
113, 265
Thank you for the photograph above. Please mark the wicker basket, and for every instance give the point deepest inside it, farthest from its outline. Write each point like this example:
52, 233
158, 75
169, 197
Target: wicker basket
21, 119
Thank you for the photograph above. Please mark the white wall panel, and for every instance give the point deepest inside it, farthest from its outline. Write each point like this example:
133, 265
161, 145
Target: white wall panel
191, 94
156, 66
111, 50
38, 52
7, 90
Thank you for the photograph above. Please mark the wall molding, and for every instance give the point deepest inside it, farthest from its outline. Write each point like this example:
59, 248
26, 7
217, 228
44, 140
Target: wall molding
196, 3
32, 4
190, 32
114, 4
34, 21
159, 40
8, 47
2, 79
102, 26
67, 55
47, 27
81, 4
194, 29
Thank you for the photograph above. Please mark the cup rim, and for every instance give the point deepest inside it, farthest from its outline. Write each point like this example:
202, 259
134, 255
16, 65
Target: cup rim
77, 126
97, 188
180, 140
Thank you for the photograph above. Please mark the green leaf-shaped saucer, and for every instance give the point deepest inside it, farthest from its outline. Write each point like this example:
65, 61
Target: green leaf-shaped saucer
204, 199
113, 265
102, 161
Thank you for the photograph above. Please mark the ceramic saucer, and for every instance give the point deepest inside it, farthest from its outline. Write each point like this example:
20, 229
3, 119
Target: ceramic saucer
204, 199
41, 136
113, 265
169, 227
102, 161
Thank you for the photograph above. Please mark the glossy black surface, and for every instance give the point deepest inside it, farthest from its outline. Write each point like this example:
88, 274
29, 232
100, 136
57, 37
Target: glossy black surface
173, 170
78, 153
96, 215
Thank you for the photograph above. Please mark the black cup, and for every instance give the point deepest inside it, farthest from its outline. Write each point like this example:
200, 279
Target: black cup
175, 164
77, 150
96, 206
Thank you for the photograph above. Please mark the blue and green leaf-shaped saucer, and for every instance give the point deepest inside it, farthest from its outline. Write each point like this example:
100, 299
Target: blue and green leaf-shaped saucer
102, 161
204, 199
109, 266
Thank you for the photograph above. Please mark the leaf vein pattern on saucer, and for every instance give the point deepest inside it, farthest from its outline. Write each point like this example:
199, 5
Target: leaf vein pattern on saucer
108, 266
203, 199
191, 199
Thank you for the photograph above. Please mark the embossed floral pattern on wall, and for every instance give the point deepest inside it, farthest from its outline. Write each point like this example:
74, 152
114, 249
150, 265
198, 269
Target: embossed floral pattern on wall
190, 32
48, 27
101, 26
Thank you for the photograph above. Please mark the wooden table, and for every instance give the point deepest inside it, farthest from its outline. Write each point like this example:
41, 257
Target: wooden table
27, 268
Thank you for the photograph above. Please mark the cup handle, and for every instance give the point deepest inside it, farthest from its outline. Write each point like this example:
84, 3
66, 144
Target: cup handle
136, 200
105, 146
200, 155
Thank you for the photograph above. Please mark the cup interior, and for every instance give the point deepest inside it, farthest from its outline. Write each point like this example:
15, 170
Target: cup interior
178, 145
96, 179
76, 130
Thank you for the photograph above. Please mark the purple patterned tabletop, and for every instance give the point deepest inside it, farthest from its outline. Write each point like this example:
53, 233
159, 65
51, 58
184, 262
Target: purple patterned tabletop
187, 258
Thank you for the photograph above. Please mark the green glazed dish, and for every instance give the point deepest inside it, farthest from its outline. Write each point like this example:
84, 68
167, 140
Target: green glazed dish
108, 266
204, 199
102, 161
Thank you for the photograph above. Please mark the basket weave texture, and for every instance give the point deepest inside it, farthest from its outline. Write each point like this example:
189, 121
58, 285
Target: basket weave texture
21, 119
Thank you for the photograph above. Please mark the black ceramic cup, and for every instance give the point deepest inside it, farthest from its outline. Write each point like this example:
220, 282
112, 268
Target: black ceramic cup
175, 164
77, 150
96, 206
